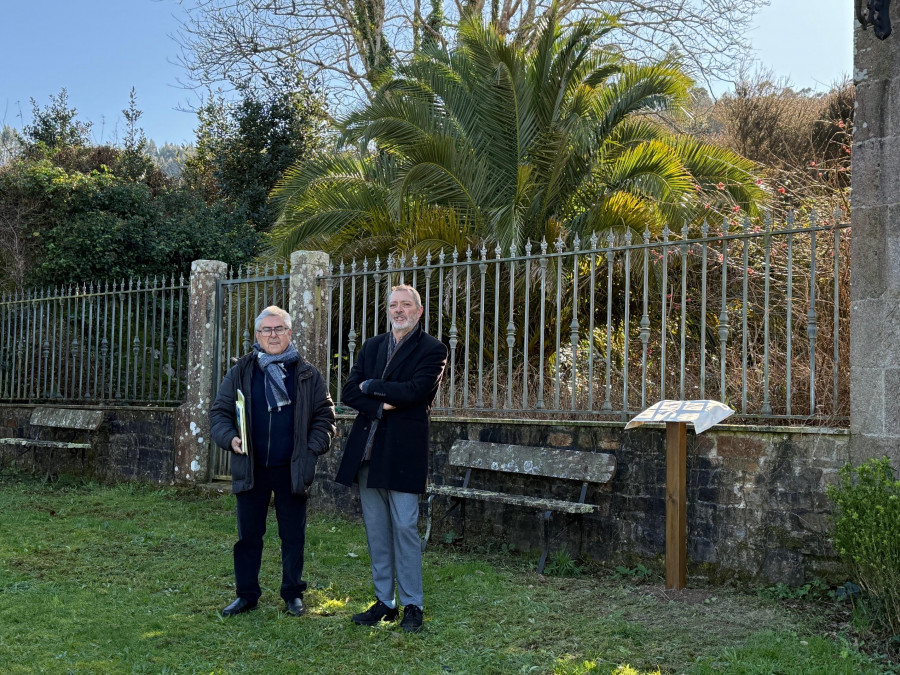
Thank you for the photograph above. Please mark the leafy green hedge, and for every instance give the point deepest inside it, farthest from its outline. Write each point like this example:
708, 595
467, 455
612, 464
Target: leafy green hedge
867, 532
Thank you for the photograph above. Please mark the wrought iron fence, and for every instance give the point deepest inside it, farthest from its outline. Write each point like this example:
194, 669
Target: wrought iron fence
119, 342
243, 294
754, 315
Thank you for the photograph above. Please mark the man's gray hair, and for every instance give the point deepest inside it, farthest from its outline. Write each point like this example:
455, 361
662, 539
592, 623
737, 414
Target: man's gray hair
273, 310
409, 289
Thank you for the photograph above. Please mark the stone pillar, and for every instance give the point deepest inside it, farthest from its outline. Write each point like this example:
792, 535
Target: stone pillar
309, 305
192, 441
875, 263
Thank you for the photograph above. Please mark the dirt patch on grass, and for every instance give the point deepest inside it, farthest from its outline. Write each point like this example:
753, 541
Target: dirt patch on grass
688, 596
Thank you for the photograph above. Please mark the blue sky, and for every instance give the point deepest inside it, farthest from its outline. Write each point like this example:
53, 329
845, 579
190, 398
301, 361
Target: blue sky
99, 49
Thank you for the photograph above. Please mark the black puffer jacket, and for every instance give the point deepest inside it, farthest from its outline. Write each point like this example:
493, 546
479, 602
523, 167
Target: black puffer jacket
313, 422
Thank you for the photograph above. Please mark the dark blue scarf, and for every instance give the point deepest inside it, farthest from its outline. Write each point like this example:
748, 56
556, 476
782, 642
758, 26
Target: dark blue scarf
273, 366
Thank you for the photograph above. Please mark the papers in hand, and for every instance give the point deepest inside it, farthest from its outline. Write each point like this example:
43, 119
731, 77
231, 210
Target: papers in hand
241, 410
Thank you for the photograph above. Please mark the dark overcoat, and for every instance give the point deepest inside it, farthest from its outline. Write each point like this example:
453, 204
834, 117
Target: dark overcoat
400, 451
313, 422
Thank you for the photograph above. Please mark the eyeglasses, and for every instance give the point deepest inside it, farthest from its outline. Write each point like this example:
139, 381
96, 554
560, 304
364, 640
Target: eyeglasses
278, 330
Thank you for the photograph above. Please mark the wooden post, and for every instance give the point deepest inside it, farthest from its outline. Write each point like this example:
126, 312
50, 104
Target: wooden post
676, 504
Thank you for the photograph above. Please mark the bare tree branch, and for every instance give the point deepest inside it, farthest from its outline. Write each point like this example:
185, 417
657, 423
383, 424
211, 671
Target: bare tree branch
344, 44
14, 235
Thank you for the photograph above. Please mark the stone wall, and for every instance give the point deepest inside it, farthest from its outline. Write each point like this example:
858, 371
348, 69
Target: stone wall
757, 505
875, 217
133, 443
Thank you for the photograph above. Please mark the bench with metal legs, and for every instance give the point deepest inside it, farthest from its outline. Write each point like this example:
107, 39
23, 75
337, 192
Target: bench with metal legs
74, 419
550, 463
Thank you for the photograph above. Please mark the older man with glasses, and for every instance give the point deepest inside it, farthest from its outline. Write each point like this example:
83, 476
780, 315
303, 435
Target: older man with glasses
290, 423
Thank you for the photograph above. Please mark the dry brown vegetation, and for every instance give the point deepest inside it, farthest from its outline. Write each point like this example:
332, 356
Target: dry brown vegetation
802, 139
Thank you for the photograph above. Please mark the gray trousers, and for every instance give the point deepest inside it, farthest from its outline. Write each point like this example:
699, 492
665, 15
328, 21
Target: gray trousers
392, 531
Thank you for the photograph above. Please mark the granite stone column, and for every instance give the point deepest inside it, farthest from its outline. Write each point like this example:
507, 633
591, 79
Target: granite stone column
875, 263
192, 441
309, 305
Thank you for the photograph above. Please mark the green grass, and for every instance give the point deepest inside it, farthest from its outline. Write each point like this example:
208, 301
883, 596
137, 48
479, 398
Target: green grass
129, 579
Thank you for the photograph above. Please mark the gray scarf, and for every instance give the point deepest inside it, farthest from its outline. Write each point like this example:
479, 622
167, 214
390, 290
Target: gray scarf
273, 365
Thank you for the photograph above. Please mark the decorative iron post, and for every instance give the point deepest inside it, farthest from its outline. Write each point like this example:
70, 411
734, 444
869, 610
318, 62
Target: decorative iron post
877, 14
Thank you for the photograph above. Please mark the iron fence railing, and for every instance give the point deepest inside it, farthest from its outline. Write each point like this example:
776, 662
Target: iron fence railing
243, 294
755, 315
120, 342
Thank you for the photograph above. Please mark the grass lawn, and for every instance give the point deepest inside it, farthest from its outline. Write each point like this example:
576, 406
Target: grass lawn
129, 578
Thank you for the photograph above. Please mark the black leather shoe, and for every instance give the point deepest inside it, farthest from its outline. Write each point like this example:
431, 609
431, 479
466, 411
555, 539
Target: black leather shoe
412, 619
377, 612
239, 606
295, 606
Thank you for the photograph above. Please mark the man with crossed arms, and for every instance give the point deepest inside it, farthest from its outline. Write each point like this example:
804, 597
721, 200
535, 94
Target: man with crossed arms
392, 385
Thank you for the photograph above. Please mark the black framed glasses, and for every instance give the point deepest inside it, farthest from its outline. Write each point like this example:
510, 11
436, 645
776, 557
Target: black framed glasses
277, 330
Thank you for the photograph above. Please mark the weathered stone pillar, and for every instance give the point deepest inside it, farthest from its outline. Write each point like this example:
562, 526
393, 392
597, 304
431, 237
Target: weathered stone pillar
875, 263
192, 419
309, 305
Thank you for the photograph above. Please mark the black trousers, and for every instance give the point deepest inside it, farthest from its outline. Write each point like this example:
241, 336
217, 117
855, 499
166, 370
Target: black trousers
290, 511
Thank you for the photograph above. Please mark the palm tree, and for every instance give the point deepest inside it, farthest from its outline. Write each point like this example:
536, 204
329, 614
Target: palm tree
502, 141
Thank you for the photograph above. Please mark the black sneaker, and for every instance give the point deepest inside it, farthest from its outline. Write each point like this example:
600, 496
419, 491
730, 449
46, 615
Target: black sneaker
412, 619
377, 612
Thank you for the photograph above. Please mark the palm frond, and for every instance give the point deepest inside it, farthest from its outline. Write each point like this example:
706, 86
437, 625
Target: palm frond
638, 89
510, 140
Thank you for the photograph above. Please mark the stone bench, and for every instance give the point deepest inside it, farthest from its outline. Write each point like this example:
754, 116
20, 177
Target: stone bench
567, 466
72, 419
